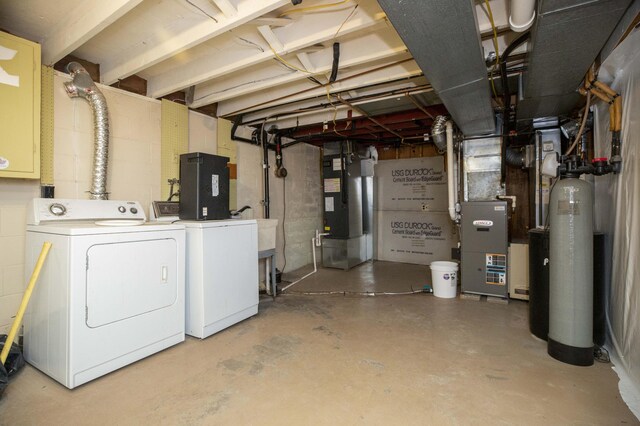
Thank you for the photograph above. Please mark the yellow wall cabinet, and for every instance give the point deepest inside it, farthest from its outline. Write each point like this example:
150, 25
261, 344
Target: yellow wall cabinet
19, 107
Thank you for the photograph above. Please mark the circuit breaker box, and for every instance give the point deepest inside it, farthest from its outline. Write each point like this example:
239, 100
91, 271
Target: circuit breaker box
484, 259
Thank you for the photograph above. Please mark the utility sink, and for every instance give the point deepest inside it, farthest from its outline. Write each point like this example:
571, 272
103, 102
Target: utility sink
267, 234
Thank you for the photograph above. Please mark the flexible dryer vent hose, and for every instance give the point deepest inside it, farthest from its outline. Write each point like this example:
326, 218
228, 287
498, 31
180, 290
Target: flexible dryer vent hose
83, 86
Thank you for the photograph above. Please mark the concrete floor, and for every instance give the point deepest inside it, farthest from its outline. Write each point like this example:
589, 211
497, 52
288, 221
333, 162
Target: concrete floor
342, 360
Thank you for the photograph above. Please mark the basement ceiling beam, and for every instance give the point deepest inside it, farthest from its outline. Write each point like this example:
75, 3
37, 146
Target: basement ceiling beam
267, 33
361, 124
84, 21
216, 66
300, 91
272, 22
144, 56
226, 7
310, 112
366, 50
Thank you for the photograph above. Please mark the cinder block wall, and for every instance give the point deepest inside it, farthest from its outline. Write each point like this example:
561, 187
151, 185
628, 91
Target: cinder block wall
301, 190
14, 196
134, 145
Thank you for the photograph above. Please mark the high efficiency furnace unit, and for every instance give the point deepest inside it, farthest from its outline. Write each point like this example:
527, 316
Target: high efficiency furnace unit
484, 248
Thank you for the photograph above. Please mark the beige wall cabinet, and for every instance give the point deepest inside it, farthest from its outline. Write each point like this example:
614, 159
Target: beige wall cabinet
19, 107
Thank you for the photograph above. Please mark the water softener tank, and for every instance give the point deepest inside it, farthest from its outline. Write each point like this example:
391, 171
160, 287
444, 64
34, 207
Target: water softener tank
571, 272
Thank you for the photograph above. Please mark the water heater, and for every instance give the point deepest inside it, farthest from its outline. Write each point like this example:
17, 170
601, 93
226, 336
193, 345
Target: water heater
571, 272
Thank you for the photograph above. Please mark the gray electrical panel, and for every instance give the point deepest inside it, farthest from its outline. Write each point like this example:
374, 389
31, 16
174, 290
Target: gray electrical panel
484, 248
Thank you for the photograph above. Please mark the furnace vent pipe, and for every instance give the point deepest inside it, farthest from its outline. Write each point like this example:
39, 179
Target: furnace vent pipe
515, 157
522, 14
83, 86
438, 133
451, 180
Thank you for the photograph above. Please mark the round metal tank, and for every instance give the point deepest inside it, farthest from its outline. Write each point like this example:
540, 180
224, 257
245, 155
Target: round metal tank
571, 272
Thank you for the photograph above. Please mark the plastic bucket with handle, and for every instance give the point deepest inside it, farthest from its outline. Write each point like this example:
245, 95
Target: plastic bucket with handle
444, 275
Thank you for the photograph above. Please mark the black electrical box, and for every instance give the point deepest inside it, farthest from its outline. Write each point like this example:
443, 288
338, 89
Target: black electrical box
204, 187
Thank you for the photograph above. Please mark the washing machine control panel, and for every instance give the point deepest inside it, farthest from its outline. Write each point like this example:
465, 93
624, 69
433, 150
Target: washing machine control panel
48, 209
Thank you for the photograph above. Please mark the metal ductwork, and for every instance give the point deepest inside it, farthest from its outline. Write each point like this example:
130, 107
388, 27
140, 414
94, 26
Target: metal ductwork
83, 86
438, 133
515, 157
565, 40
443, 37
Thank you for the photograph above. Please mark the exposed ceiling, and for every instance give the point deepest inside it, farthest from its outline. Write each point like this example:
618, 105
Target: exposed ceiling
264, 60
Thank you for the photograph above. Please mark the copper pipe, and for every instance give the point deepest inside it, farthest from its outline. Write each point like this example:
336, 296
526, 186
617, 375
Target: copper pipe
600, 95
606, 89
617, 103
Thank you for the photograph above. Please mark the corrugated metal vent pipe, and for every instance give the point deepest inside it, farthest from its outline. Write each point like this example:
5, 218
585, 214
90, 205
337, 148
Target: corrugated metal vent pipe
82, 86
438, 133
522, 14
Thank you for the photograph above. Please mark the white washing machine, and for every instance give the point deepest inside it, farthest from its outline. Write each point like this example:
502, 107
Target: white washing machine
111, 291
222, 274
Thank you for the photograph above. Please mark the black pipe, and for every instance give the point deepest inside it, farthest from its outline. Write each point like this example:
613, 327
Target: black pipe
616, 159
288, 144
506, 100
514, 157
236, 123
506, 94
265, 167
343, 175
278, 151
336, 62
281, 172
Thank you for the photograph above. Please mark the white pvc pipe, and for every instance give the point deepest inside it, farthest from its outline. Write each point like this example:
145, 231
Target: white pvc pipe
451, 178
522, 14
315, 268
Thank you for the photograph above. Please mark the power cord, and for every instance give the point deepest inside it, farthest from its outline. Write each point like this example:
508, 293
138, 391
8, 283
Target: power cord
425, 289
352, 293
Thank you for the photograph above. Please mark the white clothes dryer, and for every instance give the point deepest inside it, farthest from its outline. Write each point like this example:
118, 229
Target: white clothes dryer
111, 291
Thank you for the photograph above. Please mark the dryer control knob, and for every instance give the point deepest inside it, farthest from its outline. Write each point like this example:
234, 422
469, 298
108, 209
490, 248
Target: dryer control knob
133, 210
57, 209
122, 209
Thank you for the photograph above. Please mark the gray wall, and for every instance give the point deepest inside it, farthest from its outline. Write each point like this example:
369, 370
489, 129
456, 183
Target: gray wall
301, 190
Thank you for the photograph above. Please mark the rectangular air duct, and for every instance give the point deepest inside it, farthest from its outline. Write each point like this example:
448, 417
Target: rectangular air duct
566, 38
443, 37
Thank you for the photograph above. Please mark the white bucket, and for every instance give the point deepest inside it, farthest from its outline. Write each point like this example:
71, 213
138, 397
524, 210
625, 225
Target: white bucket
444, 275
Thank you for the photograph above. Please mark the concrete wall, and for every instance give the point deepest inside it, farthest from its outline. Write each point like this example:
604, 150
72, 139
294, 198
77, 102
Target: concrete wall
301, 190
14, 196
134, 145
